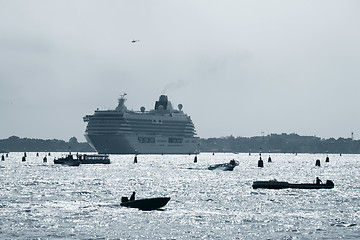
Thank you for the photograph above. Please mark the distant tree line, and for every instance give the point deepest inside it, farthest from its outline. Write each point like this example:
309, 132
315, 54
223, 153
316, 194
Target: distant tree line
282, 143
16, 144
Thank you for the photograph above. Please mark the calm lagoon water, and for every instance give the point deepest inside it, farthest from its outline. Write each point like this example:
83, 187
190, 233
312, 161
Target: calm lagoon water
46, 201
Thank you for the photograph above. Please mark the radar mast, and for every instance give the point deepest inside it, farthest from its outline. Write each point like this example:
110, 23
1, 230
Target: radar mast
121, 106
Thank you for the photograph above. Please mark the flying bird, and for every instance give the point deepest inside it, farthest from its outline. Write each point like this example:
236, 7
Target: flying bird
134, 41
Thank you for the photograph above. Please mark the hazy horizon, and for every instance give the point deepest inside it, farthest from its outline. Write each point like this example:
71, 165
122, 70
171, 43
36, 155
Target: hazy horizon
269, 134
240, 68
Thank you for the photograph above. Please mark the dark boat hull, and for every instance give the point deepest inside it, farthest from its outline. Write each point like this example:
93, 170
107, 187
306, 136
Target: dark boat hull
280, 185
86, 161
147, 203
60, 161
224, 166
73, 163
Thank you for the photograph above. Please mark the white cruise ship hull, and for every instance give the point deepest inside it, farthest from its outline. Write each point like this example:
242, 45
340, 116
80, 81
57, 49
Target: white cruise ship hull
121, 144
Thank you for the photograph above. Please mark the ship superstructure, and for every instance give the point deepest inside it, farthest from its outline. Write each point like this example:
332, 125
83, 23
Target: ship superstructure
162, 130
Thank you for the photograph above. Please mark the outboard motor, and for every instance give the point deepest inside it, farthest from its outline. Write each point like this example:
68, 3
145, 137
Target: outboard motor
124, 199
329, 183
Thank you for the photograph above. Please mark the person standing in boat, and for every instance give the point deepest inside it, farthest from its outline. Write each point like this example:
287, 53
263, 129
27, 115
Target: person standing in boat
132, 198
318, 181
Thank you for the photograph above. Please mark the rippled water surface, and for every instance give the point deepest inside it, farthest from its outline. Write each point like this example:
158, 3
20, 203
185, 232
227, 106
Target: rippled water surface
46, 201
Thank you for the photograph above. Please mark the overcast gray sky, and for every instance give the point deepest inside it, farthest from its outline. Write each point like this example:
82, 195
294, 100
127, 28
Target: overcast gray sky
239, 67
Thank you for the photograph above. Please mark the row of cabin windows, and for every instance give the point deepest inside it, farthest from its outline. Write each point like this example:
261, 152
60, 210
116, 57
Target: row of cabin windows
146, 139
152, 140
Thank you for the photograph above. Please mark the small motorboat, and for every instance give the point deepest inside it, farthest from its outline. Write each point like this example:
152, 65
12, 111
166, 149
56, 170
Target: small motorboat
68, 160
145, 203
274, 184
225, 166
84, 159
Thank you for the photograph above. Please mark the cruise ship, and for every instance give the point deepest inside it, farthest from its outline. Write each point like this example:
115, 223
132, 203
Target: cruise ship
162, 130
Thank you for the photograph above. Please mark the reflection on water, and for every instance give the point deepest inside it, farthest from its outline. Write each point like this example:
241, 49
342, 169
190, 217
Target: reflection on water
43, 200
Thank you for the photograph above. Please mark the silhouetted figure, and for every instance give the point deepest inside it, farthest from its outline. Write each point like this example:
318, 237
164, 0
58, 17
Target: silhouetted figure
132, 198
37, 154
24, 154
49, 154
7, 155
45, 159
327, 159
195, 159
23, 159
2, 158
135, 159
260, 163
269, 159
317, 163
318, 181
232, 162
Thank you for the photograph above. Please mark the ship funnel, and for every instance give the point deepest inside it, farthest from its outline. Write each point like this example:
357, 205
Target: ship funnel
163, 101
163, 98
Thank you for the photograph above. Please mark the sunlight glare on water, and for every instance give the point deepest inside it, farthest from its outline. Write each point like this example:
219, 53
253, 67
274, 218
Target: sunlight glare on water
47, 201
